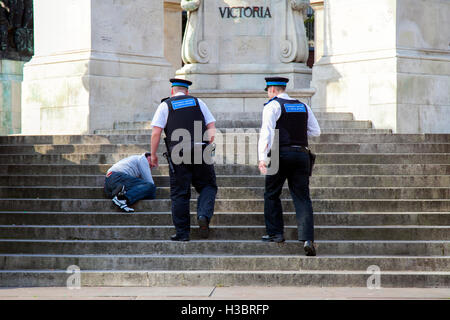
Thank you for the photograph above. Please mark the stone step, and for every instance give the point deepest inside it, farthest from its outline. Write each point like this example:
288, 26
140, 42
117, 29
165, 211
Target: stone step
323, 130
227, 247
240, 148
230, 205
221, 232
47, 192
221, 262
145, 138
223, 218
322, 158
233, 169
322, 278
322, 181
253, 123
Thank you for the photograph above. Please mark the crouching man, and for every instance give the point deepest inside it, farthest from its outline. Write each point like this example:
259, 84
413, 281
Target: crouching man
130, 180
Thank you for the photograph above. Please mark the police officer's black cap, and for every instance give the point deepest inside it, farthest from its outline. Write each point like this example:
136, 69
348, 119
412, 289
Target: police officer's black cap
180, 83
276, 81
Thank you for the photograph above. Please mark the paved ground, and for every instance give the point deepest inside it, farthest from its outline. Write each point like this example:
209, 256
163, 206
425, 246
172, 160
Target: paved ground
224, 293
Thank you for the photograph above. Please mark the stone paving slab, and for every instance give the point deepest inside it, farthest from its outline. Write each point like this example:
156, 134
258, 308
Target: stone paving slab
220, 293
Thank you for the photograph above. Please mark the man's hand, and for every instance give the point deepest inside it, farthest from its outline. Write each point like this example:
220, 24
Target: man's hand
262, 167
153, 161
210, 132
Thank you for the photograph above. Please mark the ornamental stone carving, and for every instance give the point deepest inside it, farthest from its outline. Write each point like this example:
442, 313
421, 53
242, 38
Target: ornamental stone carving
294, 46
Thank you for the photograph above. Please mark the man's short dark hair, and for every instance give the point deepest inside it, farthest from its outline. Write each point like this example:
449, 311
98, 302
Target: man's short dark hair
147, 154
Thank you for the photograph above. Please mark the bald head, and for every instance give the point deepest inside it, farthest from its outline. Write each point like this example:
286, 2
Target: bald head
175, 90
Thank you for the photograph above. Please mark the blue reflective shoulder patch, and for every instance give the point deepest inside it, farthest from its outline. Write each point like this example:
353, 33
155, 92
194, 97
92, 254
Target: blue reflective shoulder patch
183, 103
295, 107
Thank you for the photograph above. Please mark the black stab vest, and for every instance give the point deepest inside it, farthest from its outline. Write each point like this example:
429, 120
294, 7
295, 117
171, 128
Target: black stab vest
293, 123
183, 111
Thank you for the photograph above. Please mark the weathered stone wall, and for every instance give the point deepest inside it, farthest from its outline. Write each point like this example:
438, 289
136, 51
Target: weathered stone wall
423, 66
95, 63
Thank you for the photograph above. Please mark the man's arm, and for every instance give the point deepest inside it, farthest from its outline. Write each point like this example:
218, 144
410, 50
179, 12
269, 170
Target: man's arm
159, 121
313, 124
210, 121
144, 169
271, 113
156, 137
211, 129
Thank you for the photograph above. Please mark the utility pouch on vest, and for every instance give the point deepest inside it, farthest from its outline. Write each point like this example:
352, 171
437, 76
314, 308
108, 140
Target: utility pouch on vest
312, 160
168, 157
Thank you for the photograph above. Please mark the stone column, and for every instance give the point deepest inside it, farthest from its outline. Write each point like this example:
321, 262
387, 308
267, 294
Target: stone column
423, 66
172, 32
10, 91
385, 61
317, 6
95, 62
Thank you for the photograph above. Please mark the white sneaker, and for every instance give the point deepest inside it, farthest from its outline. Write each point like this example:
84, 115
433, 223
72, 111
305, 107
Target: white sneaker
122, 204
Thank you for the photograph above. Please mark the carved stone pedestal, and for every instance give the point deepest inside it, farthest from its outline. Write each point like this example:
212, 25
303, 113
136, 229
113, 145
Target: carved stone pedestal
233, 45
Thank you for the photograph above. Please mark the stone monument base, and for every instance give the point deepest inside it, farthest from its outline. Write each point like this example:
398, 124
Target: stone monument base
243, 100
84, 92
227, 77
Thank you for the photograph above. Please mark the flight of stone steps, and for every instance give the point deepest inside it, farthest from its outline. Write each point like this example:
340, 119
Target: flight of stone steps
379, 199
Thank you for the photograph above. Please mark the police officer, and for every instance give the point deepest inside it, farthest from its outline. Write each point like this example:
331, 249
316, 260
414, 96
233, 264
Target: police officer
182, 111
294, 121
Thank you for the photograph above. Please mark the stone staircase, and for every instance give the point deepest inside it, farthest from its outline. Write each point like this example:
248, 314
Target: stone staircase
379, 199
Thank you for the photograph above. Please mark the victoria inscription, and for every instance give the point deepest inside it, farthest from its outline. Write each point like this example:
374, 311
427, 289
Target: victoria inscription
245, 12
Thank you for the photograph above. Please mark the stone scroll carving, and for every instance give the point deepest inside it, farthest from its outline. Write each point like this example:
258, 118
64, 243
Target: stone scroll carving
294, 46
194, 48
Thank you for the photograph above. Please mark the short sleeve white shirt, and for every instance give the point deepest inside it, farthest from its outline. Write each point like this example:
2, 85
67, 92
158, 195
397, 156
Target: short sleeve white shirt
162, 113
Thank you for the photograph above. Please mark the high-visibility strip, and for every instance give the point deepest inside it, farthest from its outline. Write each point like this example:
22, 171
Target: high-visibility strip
183, 103
180, 84
276, 83
295, 107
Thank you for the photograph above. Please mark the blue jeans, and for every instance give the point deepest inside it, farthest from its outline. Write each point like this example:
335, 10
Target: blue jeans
136, 189
294, 166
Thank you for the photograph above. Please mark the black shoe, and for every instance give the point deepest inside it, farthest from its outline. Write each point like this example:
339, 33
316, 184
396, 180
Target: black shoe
175, 237
204, 227
276, 238
310, 250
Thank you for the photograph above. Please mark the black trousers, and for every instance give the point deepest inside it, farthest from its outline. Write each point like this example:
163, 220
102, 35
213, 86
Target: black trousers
203, 178
294, 166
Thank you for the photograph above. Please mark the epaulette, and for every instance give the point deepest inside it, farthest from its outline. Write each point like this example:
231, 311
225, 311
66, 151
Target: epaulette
270, 101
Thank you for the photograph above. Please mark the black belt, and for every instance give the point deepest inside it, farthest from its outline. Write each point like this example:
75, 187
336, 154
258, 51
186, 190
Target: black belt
295, 148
